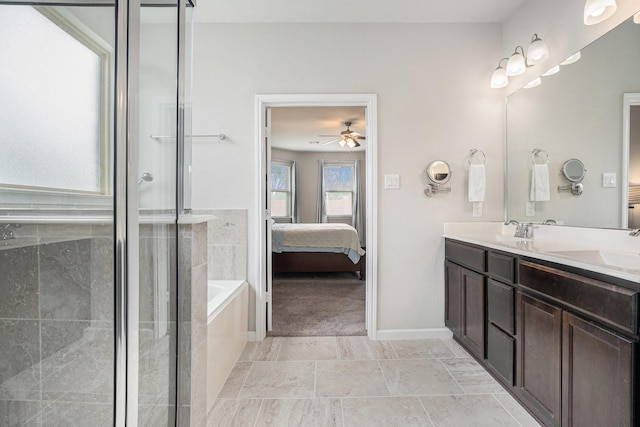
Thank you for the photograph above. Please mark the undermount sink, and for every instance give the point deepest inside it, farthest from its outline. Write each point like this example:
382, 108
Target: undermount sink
613, 259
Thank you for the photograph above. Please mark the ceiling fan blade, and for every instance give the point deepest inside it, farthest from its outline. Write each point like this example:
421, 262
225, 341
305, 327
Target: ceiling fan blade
361, 137
332, 141
329, 136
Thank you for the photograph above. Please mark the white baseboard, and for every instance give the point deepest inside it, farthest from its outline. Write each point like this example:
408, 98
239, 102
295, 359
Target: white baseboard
413, 334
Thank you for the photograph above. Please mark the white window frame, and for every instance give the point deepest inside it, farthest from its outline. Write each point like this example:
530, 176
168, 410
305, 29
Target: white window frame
340, 218
42, 195
291, 165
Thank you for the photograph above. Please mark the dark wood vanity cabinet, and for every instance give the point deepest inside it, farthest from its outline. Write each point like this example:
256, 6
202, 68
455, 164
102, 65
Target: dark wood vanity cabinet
562, 341
577, 368
465, 295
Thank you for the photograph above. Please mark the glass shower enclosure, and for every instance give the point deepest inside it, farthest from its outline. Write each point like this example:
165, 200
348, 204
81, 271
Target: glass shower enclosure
92, 125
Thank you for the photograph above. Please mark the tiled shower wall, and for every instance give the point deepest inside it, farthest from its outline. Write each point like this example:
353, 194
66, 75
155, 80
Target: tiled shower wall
227, 244
57, 287
56, 325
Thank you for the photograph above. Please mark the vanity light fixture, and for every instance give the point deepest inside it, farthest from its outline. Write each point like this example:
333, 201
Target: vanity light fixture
517, 63
499, 77
636, 18
551, 71
573, 58
533, 83
538, 50
596, 11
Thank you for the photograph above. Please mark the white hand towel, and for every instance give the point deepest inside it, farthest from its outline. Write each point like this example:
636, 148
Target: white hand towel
540, 183
477, 183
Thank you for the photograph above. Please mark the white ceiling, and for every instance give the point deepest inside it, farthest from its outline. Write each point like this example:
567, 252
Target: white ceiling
298, 128
355, 11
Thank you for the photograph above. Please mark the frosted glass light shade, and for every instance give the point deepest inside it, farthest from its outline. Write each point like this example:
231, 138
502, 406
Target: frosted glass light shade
573, 58
636, 18
516, 65
596, 11
499, 78
551, 71
538, 51
533, 83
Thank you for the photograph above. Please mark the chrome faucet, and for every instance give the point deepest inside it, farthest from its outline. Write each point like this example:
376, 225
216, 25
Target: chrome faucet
635, 233
511, 221
7, 233
550, 222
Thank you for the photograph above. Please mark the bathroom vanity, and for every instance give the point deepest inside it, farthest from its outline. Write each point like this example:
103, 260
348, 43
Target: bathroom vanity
560, 334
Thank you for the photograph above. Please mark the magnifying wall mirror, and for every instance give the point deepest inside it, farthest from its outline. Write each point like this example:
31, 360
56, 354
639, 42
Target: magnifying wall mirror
439, 173
573, 171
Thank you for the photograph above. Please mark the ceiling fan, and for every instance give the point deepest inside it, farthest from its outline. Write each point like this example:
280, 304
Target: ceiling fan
347, 137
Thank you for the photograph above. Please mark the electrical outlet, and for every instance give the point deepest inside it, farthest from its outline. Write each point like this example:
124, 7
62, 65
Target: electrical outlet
477, 209
530, 209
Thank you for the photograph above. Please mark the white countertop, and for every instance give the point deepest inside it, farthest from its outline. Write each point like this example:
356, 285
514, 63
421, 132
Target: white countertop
610, 252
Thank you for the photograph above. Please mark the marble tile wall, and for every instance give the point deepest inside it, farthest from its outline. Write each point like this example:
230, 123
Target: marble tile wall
56, 323
192, 345
227, 244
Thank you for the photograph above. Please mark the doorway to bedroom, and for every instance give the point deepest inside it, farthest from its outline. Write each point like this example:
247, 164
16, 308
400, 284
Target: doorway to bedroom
318, 240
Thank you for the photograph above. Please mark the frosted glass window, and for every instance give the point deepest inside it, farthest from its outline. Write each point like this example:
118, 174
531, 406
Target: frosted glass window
50, 115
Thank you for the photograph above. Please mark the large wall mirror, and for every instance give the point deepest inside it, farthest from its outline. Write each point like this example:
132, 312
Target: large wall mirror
578, 113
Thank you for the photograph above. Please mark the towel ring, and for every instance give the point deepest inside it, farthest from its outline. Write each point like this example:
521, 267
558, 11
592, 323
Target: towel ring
473, 154
541, 155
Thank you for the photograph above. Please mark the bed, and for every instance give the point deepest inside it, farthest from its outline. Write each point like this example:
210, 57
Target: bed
316, 248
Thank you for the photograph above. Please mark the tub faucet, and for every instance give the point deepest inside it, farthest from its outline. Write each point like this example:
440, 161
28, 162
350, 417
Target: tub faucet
511, 221
7, 233
635, 233
550, 222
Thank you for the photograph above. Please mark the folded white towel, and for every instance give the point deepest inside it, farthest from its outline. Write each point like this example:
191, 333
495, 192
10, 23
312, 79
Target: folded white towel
477, 183
540, 183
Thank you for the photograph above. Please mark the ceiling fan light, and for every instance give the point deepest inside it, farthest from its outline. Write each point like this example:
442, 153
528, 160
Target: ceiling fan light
596, 11
573, 58
342, 142
516, 64
538, 50
636, 18
351, 143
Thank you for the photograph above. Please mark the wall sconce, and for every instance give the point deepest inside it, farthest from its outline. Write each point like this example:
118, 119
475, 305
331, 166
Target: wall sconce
538, 50
596, 11
499, 77
518, 62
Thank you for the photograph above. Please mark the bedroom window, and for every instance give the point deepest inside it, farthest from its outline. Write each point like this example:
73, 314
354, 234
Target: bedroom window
283, 190
339, 190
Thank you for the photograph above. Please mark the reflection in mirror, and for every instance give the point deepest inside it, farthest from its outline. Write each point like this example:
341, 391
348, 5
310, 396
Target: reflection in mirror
573, 170
438, 173
576, 113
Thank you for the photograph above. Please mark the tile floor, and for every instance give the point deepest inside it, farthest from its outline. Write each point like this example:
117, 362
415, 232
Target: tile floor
352, 381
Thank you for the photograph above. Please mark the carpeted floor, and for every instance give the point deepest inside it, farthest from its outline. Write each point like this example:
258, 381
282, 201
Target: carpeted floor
327, 304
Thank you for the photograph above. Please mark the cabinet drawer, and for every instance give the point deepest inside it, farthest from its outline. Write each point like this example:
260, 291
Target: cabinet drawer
605, 302
501, 267
501, 305
500, 353
469, 256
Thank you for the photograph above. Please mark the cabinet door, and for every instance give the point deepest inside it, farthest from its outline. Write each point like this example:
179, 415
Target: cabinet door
540, 352
597, 376
453, 298
473, 312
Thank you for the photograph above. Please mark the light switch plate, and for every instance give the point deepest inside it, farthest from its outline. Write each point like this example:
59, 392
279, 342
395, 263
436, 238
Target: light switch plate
391, 181
530, 209
477, 209
608, 180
